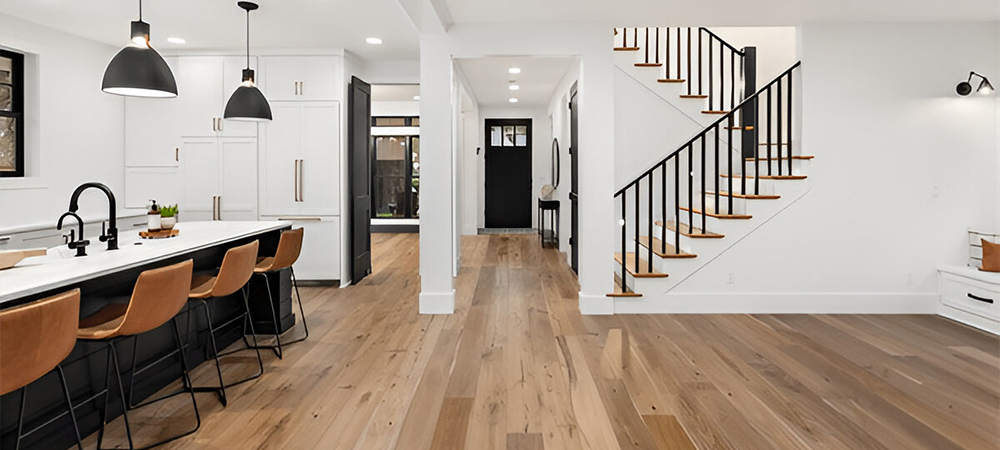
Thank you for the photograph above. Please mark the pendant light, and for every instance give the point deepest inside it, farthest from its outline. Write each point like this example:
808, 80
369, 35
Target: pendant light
138, 70
248, 103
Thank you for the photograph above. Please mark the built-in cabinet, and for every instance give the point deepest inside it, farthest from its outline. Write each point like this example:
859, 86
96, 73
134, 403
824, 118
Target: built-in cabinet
182, 150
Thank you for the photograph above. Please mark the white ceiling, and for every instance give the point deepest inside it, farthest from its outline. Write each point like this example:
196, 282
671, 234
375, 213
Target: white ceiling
489, 78
394, 92
221, 25
721, 12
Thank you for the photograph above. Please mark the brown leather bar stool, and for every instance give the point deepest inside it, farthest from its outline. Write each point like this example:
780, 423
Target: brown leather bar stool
235, 272
158, 296
289, 247
34, 339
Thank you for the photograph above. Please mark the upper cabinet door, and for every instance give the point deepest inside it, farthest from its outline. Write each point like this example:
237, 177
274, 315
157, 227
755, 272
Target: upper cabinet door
232, 69
301, 78
239, 178
280, 168
152, 129
199, 91
199, 169
320, 159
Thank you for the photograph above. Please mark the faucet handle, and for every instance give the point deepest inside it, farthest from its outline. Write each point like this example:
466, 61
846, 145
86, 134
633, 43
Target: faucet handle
104, 231
70, 238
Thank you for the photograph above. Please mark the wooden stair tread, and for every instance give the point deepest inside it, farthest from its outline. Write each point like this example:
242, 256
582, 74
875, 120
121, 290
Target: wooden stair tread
746, 196
671, 80
718, 216
785, 158
686, 230
694, 96
773, 143
715, 112
620, 292
649, 64
643, 267
670, 250
768, 177
746, 128
626, 49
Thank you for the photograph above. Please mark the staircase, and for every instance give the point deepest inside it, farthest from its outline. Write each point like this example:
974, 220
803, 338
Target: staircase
742, 169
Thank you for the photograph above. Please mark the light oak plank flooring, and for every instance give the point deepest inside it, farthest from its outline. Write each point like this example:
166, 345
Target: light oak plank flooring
518, 367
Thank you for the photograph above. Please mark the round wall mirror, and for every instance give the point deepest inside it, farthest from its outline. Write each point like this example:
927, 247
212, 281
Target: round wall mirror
555, 163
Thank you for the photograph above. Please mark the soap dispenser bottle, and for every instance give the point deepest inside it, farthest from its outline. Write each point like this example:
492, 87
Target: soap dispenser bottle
153, 217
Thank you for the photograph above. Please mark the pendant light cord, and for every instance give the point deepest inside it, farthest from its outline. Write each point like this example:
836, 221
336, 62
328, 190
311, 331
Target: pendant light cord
248, 38
140, 10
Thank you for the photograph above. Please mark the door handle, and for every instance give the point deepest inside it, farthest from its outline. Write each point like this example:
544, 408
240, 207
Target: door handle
295, 185
217, 207
177, 154
302, 218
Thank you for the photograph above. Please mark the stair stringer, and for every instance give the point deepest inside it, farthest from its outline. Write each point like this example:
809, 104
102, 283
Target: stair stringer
655, 292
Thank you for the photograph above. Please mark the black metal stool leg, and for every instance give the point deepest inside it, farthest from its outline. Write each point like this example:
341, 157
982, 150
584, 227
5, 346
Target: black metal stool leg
121, 393
274, 317
69, 404
253, 334
107, 398
20, 417
302, 312
221, 391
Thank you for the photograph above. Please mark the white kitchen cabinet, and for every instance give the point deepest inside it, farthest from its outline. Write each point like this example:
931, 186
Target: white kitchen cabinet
145, 183
204, 85
320, 257
970, 296
300, 160
152, 129
223, 168
310, 78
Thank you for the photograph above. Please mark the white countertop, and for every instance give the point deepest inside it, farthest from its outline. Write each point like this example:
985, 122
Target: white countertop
61, 268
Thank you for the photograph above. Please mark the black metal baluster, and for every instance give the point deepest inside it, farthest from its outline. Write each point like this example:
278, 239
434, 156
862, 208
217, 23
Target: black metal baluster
646, 47
718, 174
711, 79
690, 178
756, 149
730, 153
678, 53
624, 232
666, 61
689, 80
677, 201
636, 236
657, 45
778, 124
635, 37
732, 79
722, 77
769, 143
790, 122
649, 222
700, 79
743, 161
663, 207
704, 207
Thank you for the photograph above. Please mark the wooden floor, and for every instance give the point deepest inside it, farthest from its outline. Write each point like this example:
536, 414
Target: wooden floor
517, 367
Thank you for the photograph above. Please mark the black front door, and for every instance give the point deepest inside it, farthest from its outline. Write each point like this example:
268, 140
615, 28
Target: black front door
508, 173
574, 198
359, 104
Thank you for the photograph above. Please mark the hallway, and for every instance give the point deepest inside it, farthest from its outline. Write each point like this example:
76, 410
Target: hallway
517, 367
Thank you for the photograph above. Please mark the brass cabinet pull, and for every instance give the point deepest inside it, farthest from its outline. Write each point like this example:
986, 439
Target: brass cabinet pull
295, 185
299, 185
302, 218
216, 207
177, 154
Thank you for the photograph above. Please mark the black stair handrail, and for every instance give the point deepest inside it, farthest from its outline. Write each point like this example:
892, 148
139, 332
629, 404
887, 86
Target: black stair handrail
751, 105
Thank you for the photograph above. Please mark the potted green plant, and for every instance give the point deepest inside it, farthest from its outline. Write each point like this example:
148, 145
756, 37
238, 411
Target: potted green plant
168, 217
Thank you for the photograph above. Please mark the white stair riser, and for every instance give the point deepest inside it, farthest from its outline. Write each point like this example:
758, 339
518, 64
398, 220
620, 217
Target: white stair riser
799, 167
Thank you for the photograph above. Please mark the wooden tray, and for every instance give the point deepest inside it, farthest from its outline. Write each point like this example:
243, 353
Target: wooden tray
10, 258
160, 234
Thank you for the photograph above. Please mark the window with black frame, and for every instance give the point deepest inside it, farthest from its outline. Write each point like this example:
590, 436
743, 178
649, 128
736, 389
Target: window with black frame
11, 114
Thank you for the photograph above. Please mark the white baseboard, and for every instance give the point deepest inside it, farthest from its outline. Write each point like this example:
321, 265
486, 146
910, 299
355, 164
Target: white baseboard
437, 302
778, 303
973, 320
596, 305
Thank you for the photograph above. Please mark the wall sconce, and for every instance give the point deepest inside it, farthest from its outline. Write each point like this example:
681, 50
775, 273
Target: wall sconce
965, 88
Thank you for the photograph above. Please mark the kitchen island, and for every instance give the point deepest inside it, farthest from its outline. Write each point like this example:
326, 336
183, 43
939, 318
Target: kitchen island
106, 276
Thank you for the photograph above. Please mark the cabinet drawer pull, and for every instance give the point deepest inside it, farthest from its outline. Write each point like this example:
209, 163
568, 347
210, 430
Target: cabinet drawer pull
137, 225
295, 185
301, 219
299, 185
177, 154
981, 299
217, 207
4, 238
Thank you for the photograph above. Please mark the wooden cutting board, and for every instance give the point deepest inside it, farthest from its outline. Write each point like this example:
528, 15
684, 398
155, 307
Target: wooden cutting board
159, 234
10, 258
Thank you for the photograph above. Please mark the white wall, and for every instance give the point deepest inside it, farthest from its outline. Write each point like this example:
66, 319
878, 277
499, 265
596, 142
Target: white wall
396, 109
75, 132
903, 166
596, 131
541, 160
560, 118
777, 47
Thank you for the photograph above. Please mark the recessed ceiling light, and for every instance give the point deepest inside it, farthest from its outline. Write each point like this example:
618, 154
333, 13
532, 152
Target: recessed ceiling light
513, 87
514, 70
176, 40
512, 100
416, 97
374, 41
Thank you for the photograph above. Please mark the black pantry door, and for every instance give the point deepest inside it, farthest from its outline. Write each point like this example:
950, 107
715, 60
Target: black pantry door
574, 197
508, 173
359, 103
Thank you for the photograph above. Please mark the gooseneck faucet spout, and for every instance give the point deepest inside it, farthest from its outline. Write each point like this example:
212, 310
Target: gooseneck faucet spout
111, 235
79, 245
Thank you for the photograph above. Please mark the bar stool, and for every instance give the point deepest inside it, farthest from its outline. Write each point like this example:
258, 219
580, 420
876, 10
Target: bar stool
289, 247
234, 273
34, 339
158, 296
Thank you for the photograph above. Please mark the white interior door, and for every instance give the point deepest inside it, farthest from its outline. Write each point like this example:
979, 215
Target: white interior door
281, 144
320, 193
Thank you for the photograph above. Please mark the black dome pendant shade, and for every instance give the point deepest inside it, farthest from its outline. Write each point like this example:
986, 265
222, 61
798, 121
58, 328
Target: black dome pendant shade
138, 70
247, 103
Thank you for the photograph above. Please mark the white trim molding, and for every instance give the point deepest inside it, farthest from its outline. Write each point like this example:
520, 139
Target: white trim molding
437, 302
596, 305
779, 303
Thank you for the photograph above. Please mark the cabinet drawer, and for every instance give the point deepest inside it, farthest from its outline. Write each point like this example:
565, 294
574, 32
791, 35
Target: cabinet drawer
971, 296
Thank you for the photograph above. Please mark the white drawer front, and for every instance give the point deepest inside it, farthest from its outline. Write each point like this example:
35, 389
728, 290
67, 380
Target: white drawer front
971, 296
